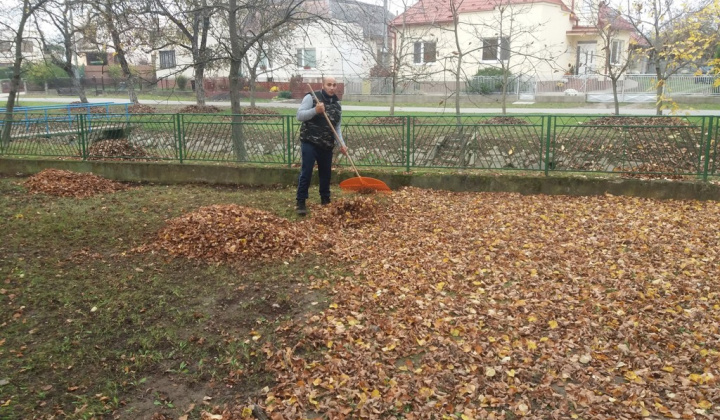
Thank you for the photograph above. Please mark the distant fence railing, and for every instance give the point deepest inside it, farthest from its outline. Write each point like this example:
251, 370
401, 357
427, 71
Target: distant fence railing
631, 86
662, 145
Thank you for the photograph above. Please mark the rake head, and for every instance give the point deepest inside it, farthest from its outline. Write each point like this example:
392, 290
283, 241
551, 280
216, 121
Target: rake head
364, 185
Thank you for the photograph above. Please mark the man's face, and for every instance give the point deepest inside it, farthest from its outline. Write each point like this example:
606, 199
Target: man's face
329, 85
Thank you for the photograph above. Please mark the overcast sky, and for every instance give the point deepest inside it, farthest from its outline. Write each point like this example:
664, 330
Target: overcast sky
395, 6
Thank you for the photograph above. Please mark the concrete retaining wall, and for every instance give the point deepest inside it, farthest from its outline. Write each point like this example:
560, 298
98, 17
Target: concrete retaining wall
173, 173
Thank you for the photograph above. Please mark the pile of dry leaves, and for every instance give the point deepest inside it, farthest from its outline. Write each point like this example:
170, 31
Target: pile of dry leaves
348, 213
115, 149
90, 110
504, 121
258, 113
388, 120
637, 121
230, 233
64, 183
141, 109
199, 109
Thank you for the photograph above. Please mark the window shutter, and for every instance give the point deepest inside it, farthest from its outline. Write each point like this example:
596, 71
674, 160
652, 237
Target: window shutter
417, 56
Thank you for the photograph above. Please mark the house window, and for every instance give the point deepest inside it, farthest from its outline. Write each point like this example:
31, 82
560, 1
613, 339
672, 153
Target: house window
27, 46
6, 46
264, 63
383, 55
306, 58
425, 52
167, 59
495, 49
96, 58
616, 52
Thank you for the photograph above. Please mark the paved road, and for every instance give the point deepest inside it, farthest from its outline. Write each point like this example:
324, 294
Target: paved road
589, 109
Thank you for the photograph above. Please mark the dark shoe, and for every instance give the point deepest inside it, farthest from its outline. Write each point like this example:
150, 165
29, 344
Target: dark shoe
324, 201
300, 208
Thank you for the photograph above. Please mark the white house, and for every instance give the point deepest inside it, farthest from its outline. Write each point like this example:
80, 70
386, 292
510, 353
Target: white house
344, 41
541, 38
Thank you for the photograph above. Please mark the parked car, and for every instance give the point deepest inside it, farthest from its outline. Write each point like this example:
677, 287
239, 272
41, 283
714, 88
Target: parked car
707, 75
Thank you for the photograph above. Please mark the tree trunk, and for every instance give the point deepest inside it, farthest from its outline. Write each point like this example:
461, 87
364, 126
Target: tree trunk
503, 99
235, 63
71, 70
615, 96
79, 88
458, 71
15, 81
394, 93
252, 82
659, 89
120, 53
200, 83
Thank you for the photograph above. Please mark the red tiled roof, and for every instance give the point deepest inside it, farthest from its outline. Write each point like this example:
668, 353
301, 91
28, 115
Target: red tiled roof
440, 11
614, 17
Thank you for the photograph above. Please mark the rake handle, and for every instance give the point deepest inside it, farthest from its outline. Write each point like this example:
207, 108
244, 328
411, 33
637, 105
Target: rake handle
342, 143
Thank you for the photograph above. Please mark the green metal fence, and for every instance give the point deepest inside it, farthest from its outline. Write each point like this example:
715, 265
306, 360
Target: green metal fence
662, 145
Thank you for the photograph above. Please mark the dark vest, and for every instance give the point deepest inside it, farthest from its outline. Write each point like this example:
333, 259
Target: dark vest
316, 129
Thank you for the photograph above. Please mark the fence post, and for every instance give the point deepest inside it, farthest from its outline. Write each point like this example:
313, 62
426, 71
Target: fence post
83, 135
408, 121
179, 135
706, 170
288, 139
547, 144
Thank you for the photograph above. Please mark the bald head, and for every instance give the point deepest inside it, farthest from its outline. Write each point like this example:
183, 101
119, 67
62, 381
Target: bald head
329, 85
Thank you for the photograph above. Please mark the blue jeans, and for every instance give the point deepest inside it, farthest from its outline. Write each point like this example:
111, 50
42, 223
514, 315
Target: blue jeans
311, 154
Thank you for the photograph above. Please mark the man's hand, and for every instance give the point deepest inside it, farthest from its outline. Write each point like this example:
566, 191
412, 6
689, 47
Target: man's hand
320, 108
343, 150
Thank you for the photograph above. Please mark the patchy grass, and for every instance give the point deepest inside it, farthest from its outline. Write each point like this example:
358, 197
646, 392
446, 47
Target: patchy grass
89, 329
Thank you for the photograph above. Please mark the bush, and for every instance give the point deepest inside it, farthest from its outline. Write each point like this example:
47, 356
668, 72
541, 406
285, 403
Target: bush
181, 81
40, 73
489, 71
486, 81
284, 94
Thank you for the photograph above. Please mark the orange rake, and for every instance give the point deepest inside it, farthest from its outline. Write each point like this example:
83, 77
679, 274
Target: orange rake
361, 184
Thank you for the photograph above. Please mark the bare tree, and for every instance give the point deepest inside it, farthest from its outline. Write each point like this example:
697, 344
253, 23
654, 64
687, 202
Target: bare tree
248, 22
260, 59
14, 23
192, 19
616, 42
116, 20
59, 13
669, 37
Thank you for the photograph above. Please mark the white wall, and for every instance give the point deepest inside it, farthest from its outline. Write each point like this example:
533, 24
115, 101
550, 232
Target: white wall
547, 22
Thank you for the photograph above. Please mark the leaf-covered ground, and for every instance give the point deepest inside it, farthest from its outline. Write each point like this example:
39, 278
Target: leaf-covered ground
501, 305
480, 305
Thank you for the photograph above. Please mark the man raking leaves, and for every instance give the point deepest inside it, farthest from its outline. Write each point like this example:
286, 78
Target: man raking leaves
318, 135
320, 113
